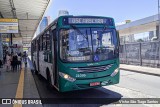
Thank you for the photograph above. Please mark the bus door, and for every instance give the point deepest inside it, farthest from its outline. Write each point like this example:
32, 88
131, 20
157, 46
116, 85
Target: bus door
54, 58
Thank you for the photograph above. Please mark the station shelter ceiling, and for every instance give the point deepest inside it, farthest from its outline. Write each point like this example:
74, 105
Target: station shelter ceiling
28, 12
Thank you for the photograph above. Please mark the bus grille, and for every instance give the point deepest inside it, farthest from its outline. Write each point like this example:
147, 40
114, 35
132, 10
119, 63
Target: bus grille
93, 69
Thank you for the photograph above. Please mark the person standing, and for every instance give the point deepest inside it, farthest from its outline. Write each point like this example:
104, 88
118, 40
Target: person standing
8, 62
14, 62
1, 63
4, 57
25, 58
19, 61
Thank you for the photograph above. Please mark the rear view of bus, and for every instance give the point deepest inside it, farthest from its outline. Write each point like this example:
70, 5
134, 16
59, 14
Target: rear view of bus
88, 52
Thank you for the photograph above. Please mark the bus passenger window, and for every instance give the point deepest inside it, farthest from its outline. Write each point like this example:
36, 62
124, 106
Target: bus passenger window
48, 42
44, 42
41, 46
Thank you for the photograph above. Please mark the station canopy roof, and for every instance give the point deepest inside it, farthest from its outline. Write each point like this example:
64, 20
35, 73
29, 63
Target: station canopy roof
28, 12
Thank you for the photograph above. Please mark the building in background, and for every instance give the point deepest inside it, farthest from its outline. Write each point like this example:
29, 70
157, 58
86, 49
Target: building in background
44, 23
142, 30
139, 42
63, 13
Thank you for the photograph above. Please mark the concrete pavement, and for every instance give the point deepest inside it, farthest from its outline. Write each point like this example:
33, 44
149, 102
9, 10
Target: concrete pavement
141, 69
16, 85
136, 85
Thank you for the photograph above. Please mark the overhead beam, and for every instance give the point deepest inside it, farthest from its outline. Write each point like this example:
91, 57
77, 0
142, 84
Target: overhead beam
26, 42
13, 9
1, 15
27, 30
28, 19
27, 37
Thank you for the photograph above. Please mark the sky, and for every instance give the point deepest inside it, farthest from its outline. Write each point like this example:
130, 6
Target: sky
120, 10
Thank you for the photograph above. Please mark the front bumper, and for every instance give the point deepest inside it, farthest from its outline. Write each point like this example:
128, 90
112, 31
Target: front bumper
65, 85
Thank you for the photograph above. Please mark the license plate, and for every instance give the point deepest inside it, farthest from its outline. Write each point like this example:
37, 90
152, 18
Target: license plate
94, 83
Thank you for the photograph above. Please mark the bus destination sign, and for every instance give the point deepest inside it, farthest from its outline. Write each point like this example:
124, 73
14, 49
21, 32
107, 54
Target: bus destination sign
88, 20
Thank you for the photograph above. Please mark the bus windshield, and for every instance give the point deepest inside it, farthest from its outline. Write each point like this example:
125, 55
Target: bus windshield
87, 44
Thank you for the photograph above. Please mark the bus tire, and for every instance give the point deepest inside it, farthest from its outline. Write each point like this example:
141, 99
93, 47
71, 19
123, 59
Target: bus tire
40, 77
36, 72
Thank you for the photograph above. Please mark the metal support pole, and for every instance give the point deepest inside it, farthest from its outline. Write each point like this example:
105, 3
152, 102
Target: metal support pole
11, 42
125, 52
159, 32
159, 54
140, 53
1, 48
158, 22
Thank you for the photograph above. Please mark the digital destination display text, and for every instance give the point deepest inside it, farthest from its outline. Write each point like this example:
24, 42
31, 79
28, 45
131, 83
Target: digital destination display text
86, 20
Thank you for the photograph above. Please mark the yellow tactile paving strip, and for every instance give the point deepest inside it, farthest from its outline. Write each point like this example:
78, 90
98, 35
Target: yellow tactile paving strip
19, 93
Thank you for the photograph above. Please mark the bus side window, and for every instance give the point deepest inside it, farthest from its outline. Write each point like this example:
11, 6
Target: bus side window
44, 47
48, 41
54, 39
44, 42
37, 43
47, 47
40, 43
54, 35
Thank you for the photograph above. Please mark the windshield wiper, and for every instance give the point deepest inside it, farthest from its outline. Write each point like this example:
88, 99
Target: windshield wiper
104, 28
86, 37
75, 28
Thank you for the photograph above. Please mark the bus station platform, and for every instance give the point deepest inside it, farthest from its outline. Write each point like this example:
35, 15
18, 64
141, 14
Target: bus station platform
18, 84
141, 69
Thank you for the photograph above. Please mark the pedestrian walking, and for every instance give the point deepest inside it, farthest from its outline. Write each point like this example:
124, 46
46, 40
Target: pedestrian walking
1, 66
4, 57
14, 62
8, 62
1, 63
19, 61
25, 58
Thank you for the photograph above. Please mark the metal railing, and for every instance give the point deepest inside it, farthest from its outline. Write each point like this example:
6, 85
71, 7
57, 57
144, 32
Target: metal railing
143, 54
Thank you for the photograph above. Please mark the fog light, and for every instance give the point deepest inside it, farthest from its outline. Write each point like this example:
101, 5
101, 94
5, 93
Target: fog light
115, 72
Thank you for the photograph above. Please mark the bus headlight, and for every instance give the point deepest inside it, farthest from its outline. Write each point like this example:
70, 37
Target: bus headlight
115, 72
67, 77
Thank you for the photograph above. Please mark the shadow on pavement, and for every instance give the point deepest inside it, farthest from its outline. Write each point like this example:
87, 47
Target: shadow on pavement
80, 98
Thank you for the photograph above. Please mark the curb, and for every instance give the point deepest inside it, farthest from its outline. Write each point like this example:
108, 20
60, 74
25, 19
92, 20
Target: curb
147, 73
32, 71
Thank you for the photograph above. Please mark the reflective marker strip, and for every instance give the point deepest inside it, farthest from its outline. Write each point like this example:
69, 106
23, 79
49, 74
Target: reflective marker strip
19, 93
